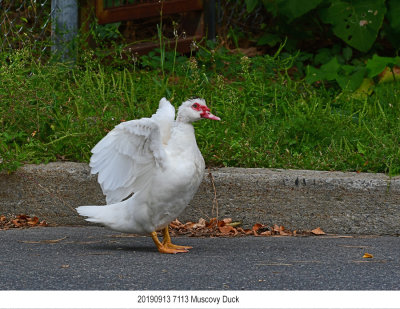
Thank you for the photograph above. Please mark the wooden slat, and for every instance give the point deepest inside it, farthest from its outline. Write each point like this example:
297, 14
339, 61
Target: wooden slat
144, 10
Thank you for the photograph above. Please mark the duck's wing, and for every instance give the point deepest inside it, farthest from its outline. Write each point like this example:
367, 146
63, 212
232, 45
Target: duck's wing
127, 156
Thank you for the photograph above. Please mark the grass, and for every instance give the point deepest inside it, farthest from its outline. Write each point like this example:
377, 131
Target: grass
51, 111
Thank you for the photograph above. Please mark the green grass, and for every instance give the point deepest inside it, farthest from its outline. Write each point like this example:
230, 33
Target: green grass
51, 112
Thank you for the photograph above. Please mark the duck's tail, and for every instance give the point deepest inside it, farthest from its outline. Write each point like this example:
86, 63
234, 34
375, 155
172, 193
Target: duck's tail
112, 215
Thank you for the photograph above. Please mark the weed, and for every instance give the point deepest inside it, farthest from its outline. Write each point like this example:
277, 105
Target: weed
51, 111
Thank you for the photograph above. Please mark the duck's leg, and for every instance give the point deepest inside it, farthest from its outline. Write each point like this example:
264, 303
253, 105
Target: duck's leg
163, 248
167, 241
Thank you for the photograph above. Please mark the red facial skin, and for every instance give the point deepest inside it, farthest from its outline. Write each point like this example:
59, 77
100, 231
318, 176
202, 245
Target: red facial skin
205, 111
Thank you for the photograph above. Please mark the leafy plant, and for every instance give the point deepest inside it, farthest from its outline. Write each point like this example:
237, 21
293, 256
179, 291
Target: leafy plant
356, 22
351, 77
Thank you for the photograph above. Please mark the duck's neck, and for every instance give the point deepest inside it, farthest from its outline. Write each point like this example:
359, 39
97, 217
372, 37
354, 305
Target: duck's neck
182, 135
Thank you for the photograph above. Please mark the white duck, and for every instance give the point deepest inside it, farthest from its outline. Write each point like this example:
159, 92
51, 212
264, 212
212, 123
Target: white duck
158, 160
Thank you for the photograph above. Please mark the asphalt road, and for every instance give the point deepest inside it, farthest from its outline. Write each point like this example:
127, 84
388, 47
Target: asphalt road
94, 258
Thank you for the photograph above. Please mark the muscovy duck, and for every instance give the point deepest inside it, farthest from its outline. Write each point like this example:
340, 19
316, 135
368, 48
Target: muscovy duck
149, 170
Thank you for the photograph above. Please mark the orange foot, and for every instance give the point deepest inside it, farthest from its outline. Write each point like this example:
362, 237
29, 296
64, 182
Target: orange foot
166, 246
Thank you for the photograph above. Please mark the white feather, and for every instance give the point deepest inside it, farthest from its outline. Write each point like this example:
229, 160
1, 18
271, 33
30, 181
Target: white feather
127, 155
155, 158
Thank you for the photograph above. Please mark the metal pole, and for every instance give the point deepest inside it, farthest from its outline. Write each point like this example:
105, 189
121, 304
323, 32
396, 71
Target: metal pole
64, 28
210, 19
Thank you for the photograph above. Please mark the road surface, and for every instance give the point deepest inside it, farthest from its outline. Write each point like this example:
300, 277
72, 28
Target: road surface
95, 258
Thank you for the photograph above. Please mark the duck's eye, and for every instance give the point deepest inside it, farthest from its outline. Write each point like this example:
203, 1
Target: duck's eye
196, 106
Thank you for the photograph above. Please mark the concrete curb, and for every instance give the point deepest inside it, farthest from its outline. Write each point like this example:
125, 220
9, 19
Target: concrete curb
342, 203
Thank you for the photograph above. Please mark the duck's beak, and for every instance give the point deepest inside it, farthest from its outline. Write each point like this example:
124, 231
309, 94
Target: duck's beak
207, 114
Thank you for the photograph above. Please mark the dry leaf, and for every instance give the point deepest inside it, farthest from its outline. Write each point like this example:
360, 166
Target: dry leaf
227, 229
33, 221
256, 227
189, 225
283, 233
235, 224
20, 221
318, 231
367, 256
212, 223
248, 232
227, 220
220, 223
175, 224
65, 266
277, 228
241, 230
200, 224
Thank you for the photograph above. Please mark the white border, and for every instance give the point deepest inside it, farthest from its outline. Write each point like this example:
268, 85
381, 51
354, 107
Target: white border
199, 299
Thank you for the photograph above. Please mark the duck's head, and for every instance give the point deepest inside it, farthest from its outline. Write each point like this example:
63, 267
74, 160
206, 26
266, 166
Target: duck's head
193, 110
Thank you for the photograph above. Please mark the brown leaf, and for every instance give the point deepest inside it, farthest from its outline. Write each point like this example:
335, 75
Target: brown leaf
241, 230
212, 223
367, 256
227, 229
266, 233
318, 231
248, 231
33, 221
227, 220
200, 224
221, 223
284, 233
278, 228
16, 222
189, 225
176, 224
22, 217
256, 227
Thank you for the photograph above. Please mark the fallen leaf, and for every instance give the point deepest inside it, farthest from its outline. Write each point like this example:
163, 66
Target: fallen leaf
318, 231
227, 229
367, 256
65, 266
235, 224
176, 224
241, 230
189, 225
212, 223
16, 222
278, 228
200, 224
283, 233
227, 220
256, 227
20, 221
33, 221
221, 223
